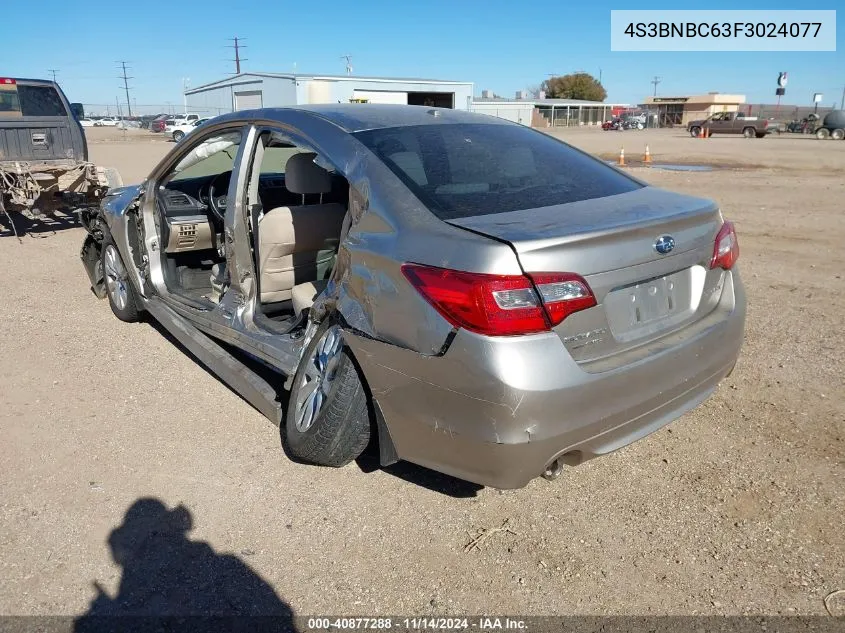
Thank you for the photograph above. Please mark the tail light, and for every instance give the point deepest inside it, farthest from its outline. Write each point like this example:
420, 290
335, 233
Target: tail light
501, 305
726, 248
7, 82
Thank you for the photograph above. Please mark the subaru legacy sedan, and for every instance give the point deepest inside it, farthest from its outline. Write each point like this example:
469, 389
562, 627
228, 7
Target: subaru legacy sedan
462, 292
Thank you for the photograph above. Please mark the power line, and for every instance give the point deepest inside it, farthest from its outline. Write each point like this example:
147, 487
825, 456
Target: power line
125, 85
656, 81
53, 72
238, 59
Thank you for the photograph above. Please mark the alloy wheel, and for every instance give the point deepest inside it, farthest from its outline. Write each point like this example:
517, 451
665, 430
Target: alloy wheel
318, 377
115, 275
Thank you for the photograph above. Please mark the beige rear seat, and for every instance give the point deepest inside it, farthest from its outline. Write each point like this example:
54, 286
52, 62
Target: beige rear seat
297, 245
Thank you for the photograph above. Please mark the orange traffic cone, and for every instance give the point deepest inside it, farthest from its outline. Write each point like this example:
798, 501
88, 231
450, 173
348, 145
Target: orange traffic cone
705, 132
647, 157
621, 156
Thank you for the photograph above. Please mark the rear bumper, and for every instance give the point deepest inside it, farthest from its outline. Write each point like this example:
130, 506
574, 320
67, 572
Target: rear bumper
498, 411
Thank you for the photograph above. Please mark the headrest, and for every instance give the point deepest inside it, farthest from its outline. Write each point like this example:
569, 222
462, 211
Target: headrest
411, 164
303, 175
518, 162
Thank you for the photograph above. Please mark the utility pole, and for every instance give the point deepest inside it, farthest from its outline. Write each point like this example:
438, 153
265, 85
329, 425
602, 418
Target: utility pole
53, 72
599, 75
238, 46
842, 103
126, 85
348, 59
656, 81
186, 81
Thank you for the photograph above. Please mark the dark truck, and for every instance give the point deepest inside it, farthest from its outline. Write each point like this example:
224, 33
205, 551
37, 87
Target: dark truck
731, 123
44, 166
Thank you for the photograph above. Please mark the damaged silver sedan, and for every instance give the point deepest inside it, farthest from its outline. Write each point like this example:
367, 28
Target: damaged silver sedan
472, 295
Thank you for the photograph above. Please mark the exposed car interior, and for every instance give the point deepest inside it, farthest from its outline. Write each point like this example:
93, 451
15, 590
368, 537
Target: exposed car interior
297, 205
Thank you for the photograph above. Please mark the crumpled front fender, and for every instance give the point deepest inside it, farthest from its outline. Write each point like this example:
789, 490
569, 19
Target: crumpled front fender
90, 255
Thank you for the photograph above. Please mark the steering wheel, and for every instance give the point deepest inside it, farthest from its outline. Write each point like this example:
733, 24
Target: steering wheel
217, 200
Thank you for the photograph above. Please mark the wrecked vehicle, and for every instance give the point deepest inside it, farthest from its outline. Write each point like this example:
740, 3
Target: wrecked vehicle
44, 165
475, 296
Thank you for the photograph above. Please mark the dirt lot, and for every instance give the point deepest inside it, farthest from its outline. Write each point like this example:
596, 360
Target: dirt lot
736, 508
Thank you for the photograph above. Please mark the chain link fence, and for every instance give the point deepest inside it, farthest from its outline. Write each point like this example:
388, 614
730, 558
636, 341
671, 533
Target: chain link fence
146, 110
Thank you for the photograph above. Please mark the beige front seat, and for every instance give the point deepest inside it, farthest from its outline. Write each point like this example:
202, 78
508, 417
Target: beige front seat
297, 245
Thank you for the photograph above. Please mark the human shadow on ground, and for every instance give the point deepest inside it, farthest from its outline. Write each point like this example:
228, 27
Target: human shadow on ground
172, 583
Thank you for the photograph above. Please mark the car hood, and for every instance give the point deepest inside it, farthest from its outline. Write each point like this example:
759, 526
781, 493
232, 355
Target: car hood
117, 200
698, 122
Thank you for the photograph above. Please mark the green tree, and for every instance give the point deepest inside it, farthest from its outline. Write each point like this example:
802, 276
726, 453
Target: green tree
575, 86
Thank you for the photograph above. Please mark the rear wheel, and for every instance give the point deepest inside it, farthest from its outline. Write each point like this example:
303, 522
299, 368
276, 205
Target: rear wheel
838, 134
749, 132
695, 132
328, 416
178, 135
119, 289
822, 133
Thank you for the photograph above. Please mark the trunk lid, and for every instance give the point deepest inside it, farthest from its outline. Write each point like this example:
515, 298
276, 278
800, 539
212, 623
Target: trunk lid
612, 242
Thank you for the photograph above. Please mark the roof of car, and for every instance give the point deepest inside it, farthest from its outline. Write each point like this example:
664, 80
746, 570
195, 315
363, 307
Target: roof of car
46, 82
356, 117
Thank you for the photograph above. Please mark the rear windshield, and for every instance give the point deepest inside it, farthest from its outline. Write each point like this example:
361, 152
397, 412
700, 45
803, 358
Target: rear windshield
18, 100
465, 170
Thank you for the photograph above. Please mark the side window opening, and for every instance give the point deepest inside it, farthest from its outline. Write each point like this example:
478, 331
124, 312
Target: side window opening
10, 104
192, 200
298, 203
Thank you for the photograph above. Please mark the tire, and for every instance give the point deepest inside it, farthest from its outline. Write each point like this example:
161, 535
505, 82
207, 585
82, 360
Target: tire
749, 132
838, 134
822, 133
119, 290
695, 131
340, 430
178, 135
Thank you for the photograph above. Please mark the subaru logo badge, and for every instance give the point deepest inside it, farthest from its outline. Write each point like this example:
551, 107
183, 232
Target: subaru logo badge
664, 244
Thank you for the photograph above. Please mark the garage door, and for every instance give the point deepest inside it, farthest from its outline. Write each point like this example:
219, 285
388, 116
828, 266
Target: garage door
380, 96
248, 100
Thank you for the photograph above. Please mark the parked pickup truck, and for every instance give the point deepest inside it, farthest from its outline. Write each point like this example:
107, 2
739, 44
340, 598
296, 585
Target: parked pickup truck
182, 119
44, 165
731, 123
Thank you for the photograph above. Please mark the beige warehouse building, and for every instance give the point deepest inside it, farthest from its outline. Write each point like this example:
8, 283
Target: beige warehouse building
682, 110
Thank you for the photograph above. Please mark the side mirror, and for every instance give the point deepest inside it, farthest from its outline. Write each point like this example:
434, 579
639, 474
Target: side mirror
77, 110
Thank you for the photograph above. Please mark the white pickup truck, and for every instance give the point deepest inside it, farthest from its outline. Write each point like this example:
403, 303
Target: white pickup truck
182, 119
178, 131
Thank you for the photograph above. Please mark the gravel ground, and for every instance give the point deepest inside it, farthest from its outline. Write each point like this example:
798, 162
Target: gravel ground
737, 508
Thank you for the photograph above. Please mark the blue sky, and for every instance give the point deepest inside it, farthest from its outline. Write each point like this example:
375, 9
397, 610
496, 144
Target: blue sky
501, 46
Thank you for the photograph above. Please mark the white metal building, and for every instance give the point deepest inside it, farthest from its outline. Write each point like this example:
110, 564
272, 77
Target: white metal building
516, 110
543, 112
266, 90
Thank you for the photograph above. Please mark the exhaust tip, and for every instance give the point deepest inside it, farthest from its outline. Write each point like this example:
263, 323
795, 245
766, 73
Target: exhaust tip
553, 470
555, 467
